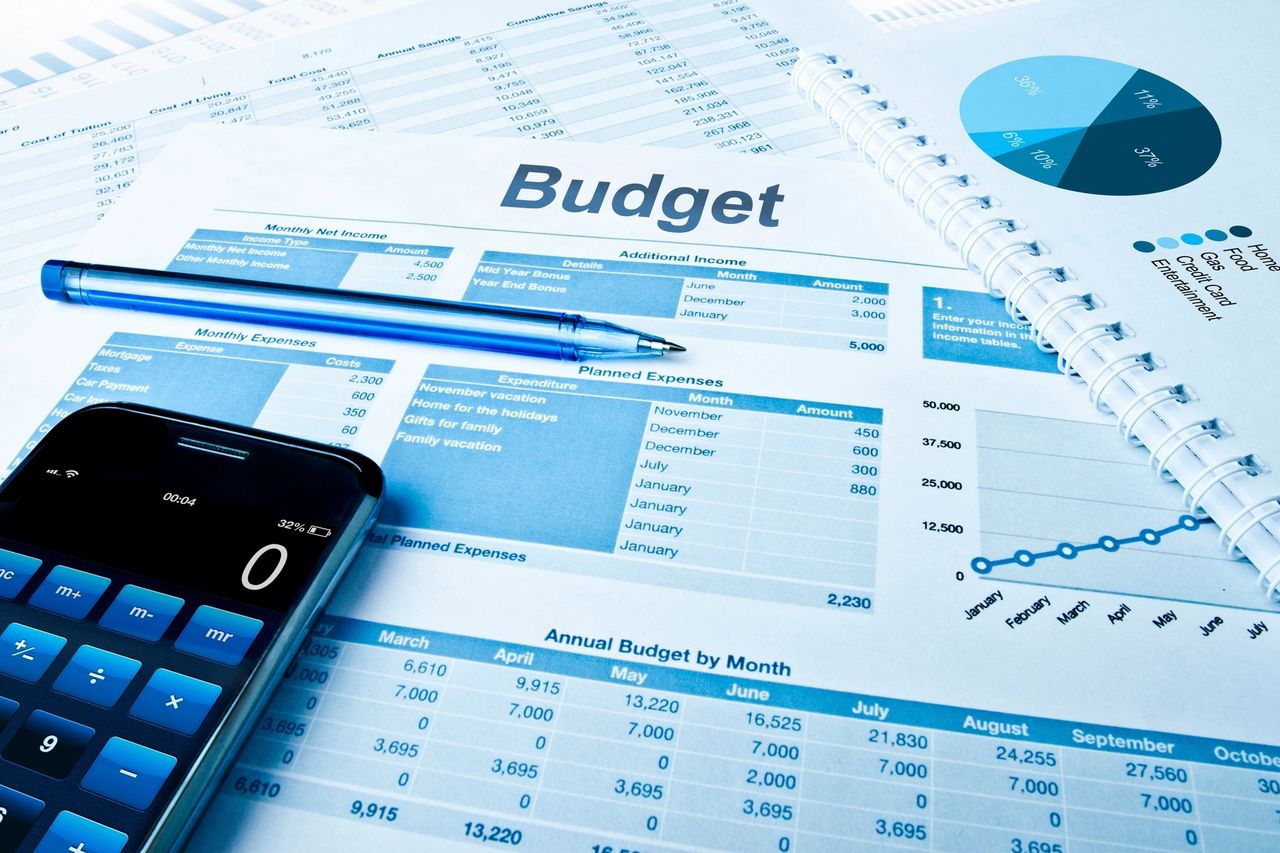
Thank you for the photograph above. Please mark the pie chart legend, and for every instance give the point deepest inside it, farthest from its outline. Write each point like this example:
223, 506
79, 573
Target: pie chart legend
1090, 125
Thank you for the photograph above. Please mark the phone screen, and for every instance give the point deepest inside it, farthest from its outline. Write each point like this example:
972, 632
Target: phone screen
146, 564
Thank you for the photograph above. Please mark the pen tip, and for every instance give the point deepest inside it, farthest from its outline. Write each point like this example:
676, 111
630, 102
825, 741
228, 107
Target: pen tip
660, 345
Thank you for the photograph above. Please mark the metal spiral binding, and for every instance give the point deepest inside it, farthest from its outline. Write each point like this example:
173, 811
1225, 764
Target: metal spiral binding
1150, 410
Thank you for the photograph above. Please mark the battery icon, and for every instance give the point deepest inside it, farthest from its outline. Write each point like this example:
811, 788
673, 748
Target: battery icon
317, 530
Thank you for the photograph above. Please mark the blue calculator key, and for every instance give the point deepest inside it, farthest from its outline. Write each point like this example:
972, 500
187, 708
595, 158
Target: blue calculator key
141, 613
128, 773
8, 708
218, 635
15, 570
175, 701
26, 652
80, 835
18, 813
48, 744
69, 592
96, 676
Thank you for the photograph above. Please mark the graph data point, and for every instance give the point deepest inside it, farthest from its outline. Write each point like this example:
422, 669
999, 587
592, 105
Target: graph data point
1067, 551
981, 565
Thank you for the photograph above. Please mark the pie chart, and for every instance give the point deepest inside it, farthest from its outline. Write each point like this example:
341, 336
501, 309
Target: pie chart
1090, 125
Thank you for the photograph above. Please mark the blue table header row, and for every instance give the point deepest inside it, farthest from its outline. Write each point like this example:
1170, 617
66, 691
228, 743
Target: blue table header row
873, 709
726, 274
304, 241
699, 396
216, 347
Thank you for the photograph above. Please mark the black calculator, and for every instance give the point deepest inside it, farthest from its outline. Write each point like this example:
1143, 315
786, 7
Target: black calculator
106, 686
158, 572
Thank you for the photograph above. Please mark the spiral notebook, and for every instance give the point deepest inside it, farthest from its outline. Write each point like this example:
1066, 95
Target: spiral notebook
1134, 174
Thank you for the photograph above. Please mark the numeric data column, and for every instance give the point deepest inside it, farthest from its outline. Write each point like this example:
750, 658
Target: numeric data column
614, 757
998, 794
492, 740
377, 719
738, 782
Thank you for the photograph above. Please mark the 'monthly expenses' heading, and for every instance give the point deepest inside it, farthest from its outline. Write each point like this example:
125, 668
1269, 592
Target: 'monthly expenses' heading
679, 209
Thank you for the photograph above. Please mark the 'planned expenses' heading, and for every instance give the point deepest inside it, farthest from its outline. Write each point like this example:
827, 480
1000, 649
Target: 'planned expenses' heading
681, 207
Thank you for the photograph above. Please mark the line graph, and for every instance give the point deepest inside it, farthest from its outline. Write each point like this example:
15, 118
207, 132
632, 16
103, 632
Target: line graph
1067, 551
1066, 504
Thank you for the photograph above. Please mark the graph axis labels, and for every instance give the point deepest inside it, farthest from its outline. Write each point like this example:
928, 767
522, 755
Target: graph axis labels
1090, 125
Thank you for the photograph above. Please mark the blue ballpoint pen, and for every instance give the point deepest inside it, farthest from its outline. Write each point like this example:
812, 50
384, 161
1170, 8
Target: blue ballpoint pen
495, 328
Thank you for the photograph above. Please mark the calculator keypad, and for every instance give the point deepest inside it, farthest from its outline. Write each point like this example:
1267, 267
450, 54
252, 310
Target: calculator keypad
175, 701
48, 744
78, 834
103, 685
26, 652
15, 570
96, 675
69, 592
140, 612
128, 773
20, 813
218, 635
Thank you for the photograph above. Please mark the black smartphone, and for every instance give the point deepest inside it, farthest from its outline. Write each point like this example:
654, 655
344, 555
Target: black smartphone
157, 574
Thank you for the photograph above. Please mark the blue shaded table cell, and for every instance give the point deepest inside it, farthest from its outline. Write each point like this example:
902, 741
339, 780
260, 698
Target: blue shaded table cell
204, 375
1261, 784
585, 291
304, 258
570, 809
518, 742
227, 388
723, 821
910, 828
534, 467
15, 570
358, 772
1150, 772
973, 328
635, 758
440, 783
1018, 813
842, 791
1229, 811
683, 271
487, 763
1129, 830
362, 742
279, 265
1138, 800
1030, 785
217, 345
1242, 839
69, 592
969, 834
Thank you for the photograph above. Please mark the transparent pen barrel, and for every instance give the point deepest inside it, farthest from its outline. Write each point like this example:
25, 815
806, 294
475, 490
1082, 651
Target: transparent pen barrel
488, 327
